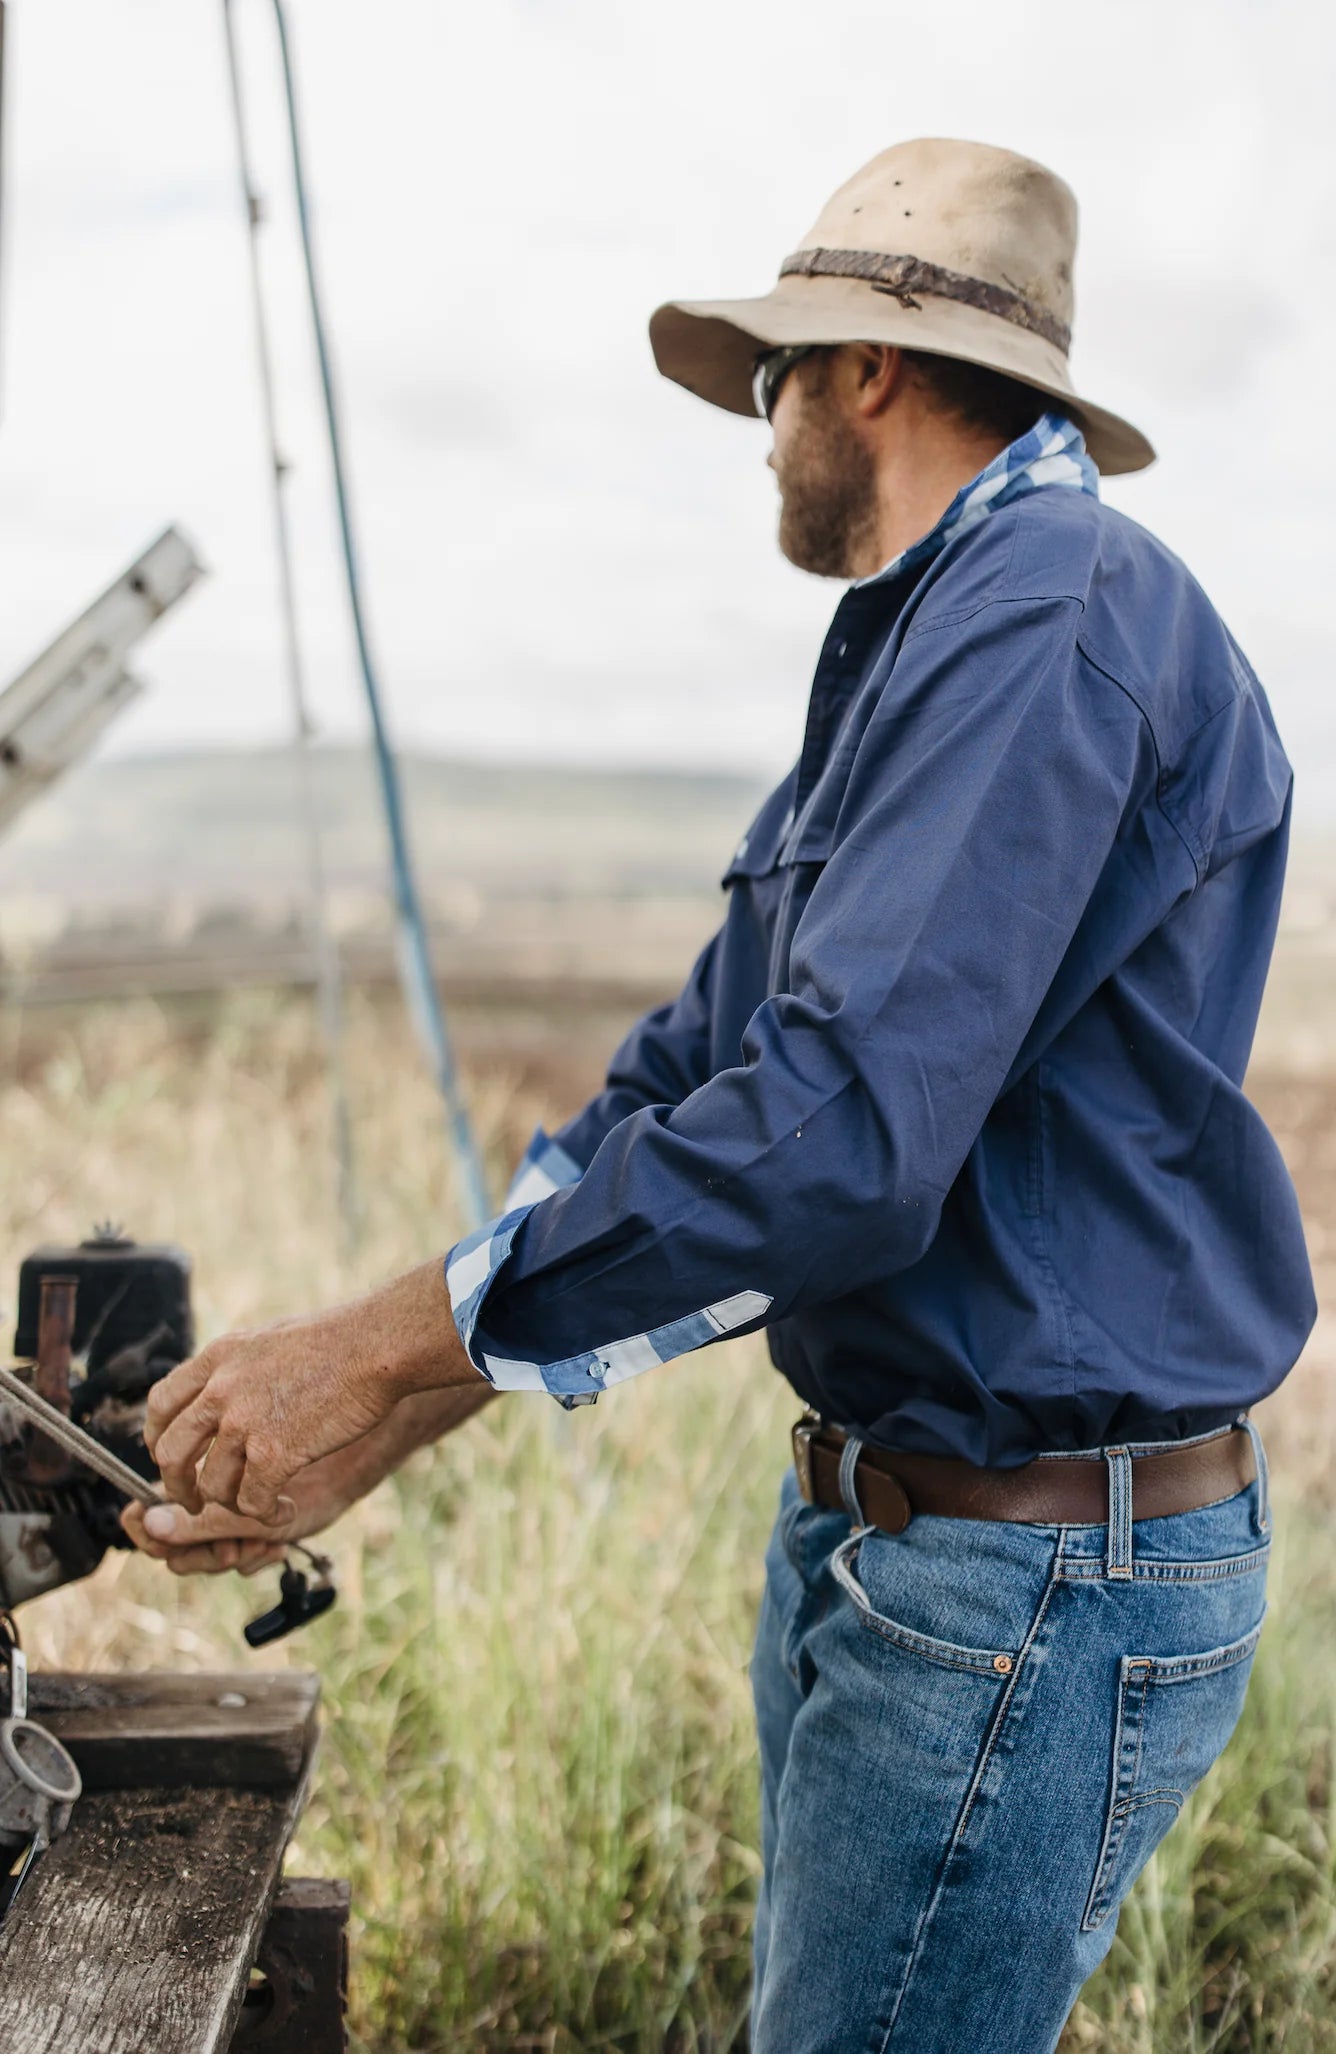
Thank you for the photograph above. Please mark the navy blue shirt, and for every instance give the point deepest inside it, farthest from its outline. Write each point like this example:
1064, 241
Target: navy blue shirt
951, 1104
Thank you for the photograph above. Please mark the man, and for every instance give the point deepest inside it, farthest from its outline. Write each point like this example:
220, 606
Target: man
951, 1106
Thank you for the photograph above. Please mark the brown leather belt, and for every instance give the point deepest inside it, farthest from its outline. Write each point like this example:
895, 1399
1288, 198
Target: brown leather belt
1054, 1490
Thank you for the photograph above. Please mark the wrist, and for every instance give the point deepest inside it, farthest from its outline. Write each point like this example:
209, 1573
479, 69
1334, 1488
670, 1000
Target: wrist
409, 1338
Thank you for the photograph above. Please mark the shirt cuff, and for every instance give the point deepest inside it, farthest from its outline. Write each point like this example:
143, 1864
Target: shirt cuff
474, 1264
471, 1265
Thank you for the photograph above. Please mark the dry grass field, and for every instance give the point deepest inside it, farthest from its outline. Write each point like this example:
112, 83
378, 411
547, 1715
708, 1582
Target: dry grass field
537, 1768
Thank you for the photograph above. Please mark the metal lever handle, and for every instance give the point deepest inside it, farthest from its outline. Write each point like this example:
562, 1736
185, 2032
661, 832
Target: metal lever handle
298, 1603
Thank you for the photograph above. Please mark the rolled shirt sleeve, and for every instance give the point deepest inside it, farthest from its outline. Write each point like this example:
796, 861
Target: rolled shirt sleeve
988, 789
664, 1058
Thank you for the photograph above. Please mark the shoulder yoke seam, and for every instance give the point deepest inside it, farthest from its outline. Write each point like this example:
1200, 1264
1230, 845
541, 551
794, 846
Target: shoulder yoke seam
1195, 857
954, 620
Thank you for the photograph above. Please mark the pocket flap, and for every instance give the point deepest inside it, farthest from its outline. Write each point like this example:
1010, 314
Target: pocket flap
758, 851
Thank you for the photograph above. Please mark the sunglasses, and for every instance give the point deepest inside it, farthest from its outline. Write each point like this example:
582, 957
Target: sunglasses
772, 368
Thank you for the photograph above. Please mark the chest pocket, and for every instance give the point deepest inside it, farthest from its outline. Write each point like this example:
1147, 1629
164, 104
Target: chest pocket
772, 875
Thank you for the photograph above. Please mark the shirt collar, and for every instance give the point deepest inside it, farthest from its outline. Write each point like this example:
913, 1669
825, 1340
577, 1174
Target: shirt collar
1053, 452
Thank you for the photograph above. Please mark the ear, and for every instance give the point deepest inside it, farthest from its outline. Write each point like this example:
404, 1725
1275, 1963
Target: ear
878, 373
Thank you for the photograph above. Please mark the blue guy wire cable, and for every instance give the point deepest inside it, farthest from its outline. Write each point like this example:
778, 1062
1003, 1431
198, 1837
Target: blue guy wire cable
324, 947
414, 958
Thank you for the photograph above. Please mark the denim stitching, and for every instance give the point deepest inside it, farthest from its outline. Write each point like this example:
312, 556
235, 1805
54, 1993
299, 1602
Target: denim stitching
1166, 1796
1089, 1568
973, 1661
981, 1770
1134, 1674
1171, 1669
1118, 1545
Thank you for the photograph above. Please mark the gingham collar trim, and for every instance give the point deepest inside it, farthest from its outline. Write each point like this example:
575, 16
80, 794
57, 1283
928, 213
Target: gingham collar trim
1053, 452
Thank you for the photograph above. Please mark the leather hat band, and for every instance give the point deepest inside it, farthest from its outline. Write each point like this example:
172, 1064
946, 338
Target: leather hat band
902, 277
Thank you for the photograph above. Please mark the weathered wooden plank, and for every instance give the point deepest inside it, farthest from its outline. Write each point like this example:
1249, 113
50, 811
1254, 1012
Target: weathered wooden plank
136, 1933
154, 1729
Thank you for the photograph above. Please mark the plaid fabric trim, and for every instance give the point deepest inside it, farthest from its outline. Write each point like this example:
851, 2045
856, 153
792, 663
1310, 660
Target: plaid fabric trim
1053, 452
616, 1361
544, 1168
473, 1263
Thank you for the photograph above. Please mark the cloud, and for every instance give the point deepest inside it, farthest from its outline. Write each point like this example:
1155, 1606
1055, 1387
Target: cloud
564, 554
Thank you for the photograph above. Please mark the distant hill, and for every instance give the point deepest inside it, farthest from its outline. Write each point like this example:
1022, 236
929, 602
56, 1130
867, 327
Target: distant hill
225, 827
188, 873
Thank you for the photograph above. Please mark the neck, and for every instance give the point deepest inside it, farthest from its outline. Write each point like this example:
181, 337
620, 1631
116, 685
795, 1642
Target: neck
919, 472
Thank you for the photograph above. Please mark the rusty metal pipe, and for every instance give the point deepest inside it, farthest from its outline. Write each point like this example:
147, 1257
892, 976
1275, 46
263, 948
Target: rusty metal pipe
48, 1463
55, 1341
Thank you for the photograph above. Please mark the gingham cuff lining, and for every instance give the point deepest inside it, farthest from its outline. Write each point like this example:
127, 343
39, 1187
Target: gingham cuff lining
474, 1263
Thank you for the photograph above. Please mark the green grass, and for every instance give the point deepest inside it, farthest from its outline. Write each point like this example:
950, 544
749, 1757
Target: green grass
538, 1767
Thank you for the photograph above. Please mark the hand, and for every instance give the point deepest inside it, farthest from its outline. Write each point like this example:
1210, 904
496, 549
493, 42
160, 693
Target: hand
234, 1426
210, 1542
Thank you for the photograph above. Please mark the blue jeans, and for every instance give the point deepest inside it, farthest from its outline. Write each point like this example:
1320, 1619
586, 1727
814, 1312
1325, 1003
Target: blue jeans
972, 1736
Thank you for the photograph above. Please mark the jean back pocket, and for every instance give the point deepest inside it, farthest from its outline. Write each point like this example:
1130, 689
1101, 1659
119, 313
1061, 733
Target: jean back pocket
1174, 1716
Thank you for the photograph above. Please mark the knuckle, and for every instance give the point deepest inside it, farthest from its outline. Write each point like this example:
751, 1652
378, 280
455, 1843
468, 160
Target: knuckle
264, 1456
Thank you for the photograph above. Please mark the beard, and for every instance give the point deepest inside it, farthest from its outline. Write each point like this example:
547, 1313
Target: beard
828, 490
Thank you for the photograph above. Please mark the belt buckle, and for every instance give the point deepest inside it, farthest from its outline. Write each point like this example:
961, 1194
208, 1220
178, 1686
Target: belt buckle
803, 1432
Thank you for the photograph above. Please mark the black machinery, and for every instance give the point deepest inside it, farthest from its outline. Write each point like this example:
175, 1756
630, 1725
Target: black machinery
98, 1325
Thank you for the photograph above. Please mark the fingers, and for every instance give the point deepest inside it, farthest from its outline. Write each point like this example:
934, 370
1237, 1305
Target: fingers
217, 1480
208, 1543
181, 1446
261, 1487
216, 1558
172, 1394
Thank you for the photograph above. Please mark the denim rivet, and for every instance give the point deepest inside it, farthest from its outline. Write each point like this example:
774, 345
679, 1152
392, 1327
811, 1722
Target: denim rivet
1002, 1664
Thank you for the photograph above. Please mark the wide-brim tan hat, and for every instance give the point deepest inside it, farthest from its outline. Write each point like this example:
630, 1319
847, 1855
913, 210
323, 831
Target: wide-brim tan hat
956, 248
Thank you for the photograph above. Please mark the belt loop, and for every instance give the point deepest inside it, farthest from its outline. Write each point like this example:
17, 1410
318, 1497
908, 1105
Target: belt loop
1118, 1555
849, 1455
1262, 1508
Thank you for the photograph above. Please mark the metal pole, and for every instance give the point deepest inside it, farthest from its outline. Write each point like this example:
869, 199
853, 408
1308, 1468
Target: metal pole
414, 957
329, 980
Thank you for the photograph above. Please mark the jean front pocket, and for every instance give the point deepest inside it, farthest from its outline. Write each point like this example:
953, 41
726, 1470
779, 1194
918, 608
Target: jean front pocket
1174, 1716
871, 1604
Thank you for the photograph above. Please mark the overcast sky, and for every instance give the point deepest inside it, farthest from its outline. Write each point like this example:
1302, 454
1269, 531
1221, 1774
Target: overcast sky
565, 555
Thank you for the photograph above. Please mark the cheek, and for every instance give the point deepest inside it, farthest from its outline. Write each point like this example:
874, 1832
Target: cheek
784, 451
782, 419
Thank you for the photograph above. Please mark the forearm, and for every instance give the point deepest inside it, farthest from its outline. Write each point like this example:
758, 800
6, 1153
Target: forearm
414, 1424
